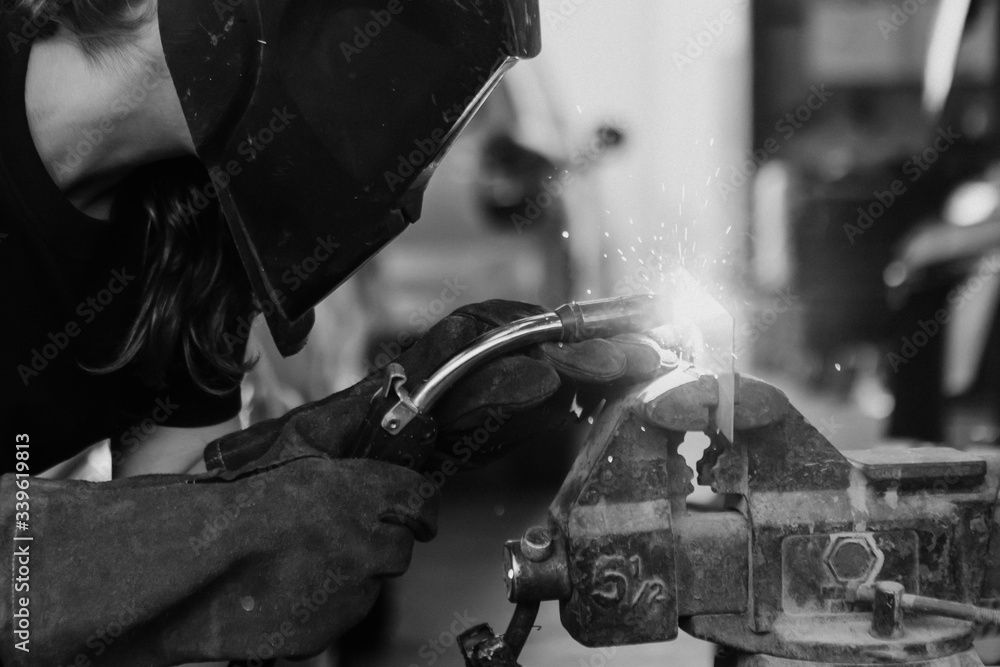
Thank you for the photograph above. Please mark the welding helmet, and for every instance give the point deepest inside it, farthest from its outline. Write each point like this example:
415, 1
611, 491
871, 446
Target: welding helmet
321, 121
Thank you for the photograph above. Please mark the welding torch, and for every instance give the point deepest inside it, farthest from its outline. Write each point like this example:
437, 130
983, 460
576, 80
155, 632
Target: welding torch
570, 323
407, 424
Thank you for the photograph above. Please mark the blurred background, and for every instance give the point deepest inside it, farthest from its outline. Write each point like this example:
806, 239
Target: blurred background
826, 169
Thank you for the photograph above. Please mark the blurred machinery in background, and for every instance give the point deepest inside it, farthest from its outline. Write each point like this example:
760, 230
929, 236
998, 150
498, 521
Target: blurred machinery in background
909, 112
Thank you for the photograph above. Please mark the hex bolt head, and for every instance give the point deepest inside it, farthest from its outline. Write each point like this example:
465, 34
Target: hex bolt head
852, 560
536, 544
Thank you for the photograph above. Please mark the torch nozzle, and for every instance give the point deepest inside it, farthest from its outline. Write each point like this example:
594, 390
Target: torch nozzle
604, 318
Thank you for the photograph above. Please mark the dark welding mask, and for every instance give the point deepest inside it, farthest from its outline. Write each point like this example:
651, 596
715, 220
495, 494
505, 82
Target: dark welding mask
321, 121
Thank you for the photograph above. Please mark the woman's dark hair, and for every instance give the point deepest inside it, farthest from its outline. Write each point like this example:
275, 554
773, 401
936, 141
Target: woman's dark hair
194, 287
195, 291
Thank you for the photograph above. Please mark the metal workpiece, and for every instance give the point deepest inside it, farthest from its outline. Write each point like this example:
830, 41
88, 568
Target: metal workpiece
572, 322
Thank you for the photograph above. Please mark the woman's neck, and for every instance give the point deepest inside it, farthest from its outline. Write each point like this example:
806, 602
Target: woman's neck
94, 121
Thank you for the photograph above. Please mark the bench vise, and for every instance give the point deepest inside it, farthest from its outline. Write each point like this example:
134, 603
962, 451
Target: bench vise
815, 556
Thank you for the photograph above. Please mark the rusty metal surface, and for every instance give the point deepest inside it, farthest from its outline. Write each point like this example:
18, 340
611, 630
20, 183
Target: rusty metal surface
711, 552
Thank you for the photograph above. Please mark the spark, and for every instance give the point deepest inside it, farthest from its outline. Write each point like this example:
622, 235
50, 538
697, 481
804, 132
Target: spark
837, 366
729, 229
565, 235
711, 142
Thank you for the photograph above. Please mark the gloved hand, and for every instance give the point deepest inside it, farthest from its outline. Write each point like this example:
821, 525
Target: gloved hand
165, 570
518, 396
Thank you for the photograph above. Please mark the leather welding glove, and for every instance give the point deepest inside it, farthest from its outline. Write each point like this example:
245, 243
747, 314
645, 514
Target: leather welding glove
165, 570
522, 395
